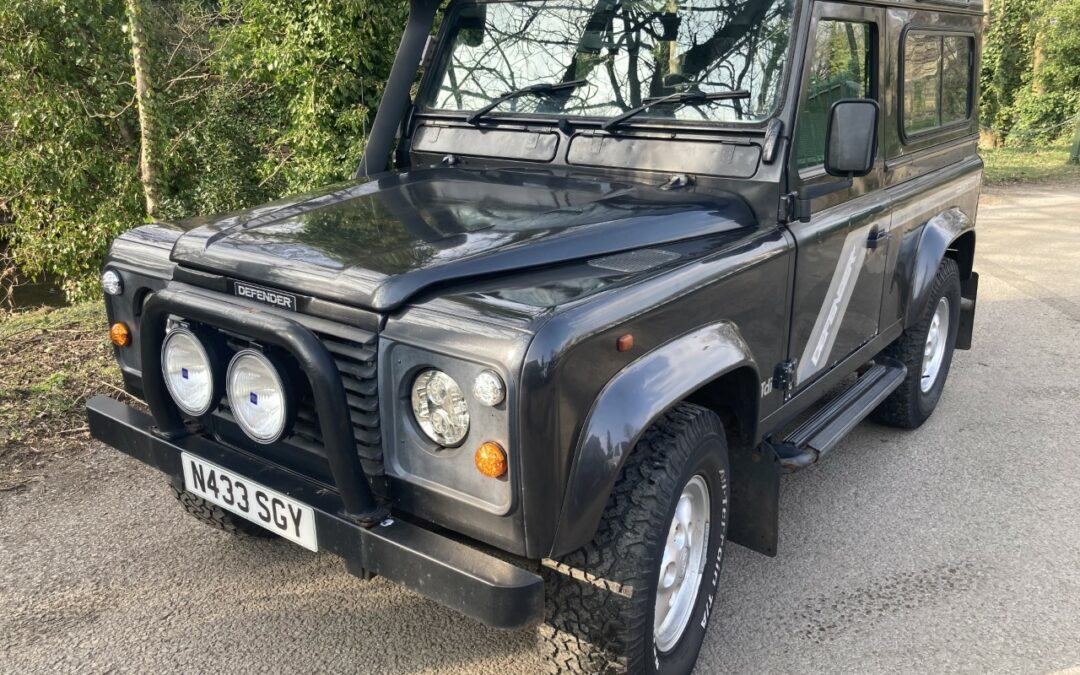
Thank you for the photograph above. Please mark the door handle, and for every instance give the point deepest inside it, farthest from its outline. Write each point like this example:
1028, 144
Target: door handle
877, 239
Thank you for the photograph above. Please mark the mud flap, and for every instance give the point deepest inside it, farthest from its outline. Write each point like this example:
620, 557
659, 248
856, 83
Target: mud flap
755, 499
969, 293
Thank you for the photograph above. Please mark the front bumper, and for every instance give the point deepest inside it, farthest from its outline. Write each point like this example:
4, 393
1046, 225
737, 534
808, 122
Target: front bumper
453, 574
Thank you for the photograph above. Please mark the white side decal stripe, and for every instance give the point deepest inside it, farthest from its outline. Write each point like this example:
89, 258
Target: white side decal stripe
846, 276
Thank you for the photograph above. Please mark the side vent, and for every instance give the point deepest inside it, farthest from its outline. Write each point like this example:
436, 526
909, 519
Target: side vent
635, 261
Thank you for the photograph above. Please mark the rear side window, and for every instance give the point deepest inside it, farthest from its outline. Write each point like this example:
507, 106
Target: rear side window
842, 67
937, 72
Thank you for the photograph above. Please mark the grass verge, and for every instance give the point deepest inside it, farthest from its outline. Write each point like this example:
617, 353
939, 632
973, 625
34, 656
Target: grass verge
1012, 166
51, 362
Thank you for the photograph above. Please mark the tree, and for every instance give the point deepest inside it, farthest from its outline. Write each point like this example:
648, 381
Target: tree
144, 97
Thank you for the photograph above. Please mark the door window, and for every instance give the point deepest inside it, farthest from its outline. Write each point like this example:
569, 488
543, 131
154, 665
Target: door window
842, 67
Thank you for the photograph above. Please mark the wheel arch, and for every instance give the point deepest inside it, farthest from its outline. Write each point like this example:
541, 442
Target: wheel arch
949, 234
712, 367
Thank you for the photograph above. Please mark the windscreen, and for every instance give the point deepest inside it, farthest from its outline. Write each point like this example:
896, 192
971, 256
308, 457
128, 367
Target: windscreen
627, 52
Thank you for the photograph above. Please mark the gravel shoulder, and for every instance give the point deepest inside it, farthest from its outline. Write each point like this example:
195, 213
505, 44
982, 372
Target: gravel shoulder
954, 548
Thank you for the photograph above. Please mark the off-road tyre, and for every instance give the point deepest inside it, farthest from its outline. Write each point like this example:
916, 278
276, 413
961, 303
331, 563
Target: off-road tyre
909, 406
215, 516
600, 599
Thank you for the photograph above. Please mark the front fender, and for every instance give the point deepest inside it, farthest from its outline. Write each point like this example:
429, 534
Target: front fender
937, 236
627, 406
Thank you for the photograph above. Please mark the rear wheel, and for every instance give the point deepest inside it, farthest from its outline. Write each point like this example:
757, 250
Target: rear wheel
639, 596
215, 516
926, 348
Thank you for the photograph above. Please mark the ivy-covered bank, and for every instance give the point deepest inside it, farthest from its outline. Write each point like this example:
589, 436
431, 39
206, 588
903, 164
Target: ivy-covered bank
236, 102
1031, 72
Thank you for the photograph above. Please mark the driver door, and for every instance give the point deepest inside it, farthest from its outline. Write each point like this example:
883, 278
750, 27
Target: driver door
840, 268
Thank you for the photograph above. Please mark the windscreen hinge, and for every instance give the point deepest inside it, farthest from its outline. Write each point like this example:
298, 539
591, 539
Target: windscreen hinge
788, 205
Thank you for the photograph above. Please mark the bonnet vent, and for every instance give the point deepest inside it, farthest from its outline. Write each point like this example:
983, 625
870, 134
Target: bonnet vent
635, 261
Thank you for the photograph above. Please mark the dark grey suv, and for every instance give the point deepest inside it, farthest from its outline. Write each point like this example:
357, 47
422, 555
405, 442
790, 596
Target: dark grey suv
610, 269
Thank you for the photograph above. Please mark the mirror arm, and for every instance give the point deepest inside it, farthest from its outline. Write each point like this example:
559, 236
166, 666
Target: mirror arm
801, 202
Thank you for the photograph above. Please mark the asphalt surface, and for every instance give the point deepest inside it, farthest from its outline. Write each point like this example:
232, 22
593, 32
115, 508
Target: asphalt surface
955, 548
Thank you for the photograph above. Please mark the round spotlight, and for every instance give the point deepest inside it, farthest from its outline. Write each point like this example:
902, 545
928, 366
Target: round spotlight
257, 396
439, 407
488, 388
111, 282
189, 375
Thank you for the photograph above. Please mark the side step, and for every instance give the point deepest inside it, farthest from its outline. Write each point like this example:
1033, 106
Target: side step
822, 432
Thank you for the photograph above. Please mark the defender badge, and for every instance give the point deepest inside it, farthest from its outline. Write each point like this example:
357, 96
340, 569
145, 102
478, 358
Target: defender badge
265, 295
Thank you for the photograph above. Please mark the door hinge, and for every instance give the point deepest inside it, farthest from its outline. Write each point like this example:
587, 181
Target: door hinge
784, 376
794, 206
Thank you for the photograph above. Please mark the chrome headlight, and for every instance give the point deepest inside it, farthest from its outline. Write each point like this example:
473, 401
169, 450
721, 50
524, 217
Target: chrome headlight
439, 407
257, 396
189, 375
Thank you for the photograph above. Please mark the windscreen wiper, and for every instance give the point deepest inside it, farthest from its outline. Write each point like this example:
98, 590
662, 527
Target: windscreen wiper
534, 90
678, 99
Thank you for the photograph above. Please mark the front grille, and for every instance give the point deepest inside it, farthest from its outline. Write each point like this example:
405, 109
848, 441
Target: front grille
356, 357
355, 352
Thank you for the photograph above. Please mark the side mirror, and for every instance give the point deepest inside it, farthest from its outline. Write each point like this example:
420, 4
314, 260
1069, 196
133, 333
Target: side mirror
851, 139
472, 25
850, 150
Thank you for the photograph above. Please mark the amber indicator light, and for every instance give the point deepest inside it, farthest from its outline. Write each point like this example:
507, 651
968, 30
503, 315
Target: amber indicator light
120, 335
625, 343
491, 460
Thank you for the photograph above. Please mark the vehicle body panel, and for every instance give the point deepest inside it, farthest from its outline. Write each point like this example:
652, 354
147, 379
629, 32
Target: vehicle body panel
376, 244
627, 407
573, 355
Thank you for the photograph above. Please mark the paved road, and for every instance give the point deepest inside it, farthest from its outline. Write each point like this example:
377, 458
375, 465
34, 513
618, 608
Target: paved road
955, 548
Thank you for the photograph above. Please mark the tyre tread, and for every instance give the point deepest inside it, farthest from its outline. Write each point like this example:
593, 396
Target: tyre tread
589, 629
217, 517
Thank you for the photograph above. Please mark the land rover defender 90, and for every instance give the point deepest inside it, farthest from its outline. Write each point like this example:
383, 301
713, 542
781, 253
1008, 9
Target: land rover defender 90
604, 275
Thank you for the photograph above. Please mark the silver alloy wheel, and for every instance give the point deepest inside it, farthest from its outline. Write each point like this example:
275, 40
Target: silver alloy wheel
936, 340
683, 564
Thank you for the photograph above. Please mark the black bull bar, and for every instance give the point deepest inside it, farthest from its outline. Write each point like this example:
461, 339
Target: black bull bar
315, 361
349, 521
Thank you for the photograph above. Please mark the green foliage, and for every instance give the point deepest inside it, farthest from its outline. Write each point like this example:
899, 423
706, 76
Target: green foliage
253, 99
321, 72
1045, 110
1031, 70
68, 154
1060, 70
1008, 51
1044, 117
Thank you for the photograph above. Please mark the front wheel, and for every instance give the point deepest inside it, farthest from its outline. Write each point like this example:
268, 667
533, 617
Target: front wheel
638, 598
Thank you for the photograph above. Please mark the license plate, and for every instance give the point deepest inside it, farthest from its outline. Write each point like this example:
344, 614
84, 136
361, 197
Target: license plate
247, 499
